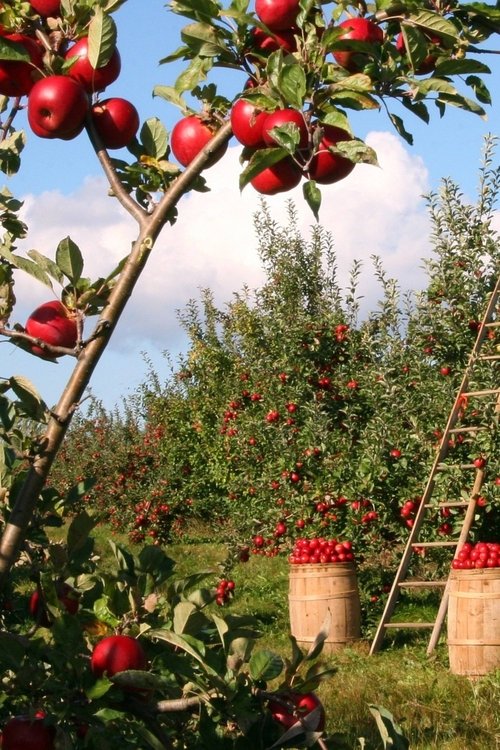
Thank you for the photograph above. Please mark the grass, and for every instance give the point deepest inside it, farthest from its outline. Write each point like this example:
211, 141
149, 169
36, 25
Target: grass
436, 709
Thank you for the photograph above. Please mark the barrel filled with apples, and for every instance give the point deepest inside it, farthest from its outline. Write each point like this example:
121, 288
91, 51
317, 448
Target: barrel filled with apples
474, 610
324, 593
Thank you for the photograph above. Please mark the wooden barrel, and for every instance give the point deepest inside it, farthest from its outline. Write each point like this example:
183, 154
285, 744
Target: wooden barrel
474, 621
319, 590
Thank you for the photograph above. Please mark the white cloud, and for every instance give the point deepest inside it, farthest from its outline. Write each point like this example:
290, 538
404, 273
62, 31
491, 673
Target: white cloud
374, 211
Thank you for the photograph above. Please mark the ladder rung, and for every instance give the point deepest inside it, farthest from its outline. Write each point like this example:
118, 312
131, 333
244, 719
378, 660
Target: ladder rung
486, 392
451, 504
488, 357
409, 625
493, 324
434, 544
444, 467
466, 429
421, 584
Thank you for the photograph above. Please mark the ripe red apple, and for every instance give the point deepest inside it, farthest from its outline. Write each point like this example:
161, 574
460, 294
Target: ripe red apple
264, 44
301, 705
246, 122
277, 14
327, 167
57, 107
445, 370
53, 324
190, 136
25, 733
18, 78
116, 121
428, 63
117, 653
357, 30
278, 178
92, 79
281, 117
47, 8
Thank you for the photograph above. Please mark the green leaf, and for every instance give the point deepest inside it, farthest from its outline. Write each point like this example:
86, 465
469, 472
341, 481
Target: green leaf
390, 732
99, 688
29, 398
261, 159
265, 665
78, 532
102, 39
195, 73
480, 90
182, 613
170, 94
103, 612
417, 108
222, 628
15, 51
435, 24
154, 138
287, 136
69, 260
292, 85
123, 557
460, 67
26, 265
400, 128
47, 265
312, 194
203, 39
185, 644
337, 119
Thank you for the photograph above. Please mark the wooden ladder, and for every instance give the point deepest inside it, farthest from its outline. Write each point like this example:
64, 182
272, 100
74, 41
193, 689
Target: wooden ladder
491, 320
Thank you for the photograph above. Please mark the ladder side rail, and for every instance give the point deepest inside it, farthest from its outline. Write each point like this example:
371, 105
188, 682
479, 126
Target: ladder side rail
464, 533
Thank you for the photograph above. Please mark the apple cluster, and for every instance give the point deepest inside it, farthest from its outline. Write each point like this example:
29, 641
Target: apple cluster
59, 104
255, 128
224, 591
479, 555
321, 551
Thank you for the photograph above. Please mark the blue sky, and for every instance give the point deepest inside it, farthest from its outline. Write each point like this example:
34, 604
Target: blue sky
65, 194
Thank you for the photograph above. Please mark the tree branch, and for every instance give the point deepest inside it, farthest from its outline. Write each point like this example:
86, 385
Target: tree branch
150, 227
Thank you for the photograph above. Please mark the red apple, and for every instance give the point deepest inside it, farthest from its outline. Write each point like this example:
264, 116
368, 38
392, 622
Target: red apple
263, 43
25, 733
92, 79
327, 167
117, 653
190, 136
18, 78
246, 122
278, 178
428, 63
300, 707
357, 30
47, 8
57, 107
116, 121
277, 14
53, 324
281, 117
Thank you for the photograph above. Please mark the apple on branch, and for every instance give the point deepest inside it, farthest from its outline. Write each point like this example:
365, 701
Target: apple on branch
55, 325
